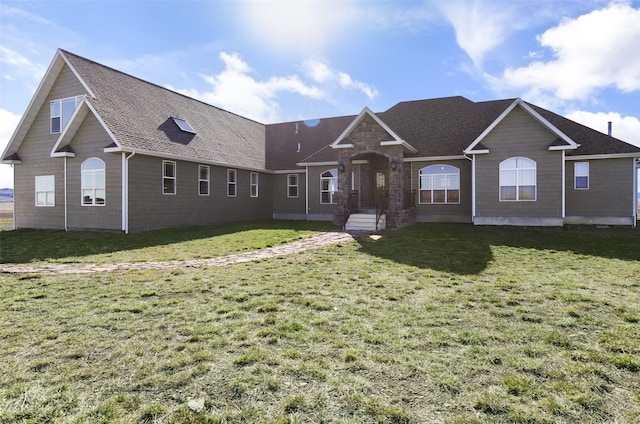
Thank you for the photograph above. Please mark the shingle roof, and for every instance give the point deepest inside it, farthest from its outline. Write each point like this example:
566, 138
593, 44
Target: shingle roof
314, 137
591, 142
446, 126
139, 113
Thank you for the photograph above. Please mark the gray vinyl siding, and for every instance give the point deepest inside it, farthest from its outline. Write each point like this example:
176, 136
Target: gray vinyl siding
443, 212
89, 141
149, 208
285, 207
519, 135
35, 154
610, 192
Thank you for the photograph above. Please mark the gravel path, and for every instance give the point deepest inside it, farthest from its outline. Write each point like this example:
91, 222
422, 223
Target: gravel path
313, 242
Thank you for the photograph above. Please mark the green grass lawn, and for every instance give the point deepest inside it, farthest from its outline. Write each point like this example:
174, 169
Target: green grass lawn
431, 323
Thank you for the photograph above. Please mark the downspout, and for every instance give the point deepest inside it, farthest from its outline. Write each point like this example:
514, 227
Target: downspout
15, 227
306, 192
125, 190
66, 219
473, 186
635, 191
564, 187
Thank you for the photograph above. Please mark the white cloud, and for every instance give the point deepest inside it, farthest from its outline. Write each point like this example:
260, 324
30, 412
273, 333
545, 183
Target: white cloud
626, 128
321, 73
594, 51
8, 123
236, 90
479, 26
16, 64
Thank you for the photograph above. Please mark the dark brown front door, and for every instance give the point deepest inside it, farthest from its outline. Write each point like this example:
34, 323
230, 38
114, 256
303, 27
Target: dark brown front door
379, 186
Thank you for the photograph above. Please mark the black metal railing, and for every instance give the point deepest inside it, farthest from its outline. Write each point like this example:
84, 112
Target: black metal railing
381, 205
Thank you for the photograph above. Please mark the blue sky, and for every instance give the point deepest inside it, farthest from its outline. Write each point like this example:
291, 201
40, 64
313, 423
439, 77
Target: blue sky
276, 61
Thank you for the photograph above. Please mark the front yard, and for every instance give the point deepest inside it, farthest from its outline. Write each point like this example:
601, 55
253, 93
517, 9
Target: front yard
431, 323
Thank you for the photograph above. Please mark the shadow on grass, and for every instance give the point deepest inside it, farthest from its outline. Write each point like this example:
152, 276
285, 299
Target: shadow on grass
23, 246
467, 250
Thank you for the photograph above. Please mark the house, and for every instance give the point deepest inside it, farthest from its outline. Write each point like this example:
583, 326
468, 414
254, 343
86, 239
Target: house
100, 149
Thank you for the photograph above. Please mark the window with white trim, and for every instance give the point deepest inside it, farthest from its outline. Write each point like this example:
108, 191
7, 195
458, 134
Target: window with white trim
518, 180
232, 183
61, 111
292, 185
45, 190
581, 175
168, 177
328, 186
204, 177
439, 184
253, 180
93, 182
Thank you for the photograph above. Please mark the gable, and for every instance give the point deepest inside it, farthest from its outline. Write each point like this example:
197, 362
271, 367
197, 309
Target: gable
60, 81
519, 134
369, 128
560, 141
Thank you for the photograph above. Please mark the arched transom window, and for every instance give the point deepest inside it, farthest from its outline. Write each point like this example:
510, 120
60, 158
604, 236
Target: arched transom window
328, 186
93, 182
518, 180
439, 184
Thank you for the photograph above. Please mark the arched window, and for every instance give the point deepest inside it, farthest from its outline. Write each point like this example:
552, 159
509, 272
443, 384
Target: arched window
439, 184
328, 186
93, 182
518, 180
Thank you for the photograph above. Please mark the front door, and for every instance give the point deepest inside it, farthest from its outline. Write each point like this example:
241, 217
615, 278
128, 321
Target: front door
380, 178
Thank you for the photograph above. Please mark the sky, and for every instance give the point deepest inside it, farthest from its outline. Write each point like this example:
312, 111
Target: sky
279, 61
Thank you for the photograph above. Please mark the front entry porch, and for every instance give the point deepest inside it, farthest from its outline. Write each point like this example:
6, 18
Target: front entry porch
377, 199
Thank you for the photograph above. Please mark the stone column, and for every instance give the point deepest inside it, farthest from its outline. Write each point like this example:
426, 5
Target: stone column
396, 189
343, 195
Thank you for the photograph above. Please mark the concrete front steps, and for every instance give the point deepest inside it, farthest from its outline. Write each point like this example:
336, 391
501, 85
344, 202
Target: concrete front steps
365, 222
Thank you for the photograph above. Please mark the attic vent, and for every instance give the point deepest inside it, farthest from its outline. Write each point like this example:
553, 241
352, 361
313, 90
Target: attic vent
183, 125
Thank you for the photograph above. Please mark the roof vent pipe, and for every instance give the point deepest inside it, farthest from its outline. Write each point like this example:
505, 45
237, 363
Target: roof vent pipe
610, 124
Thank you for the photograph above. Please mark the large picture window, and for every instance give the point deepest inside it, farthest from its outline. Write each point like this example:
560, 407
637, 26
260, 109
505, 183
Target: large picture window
328, 186
439, 184
168, 177
581, 171
93, 182
518, 180
45, 190
203, 180
61, 111
292, 185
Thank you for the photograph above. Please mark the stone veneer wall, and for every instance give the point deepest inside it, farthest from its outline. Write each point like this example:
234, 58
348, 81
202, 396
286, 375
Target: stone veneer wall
366, 138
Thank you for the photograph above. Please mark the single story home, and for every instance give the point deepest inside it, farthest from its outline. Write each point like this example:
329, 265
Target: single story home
101, 149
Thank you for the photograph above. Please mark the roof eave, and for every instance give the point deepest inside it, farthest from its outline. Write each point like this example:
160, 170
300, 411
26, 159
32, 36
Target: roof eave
402, 143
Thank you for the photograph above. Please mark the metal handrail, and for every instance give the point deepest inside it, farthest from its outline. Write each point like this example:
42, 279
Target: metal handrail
381, 206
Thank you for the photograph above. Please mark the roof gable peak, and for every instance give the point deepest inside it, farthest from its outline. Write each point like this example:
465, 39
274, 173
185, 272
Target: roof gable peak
565, 142
366, 112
